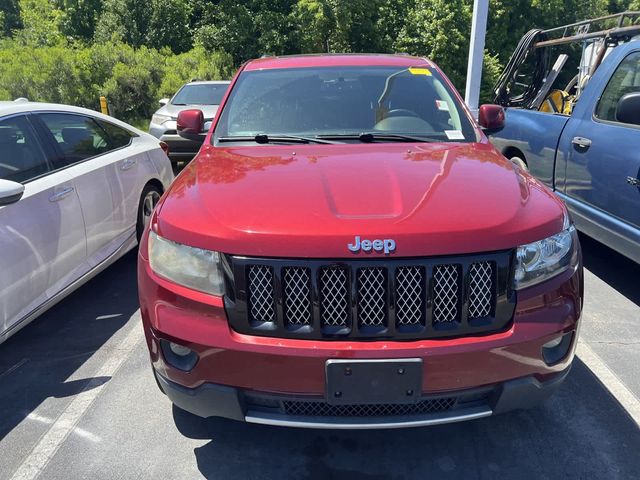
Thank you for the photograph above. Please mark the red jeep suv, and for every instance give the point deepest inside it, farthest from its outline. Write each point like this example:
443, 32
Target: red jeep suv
348, 250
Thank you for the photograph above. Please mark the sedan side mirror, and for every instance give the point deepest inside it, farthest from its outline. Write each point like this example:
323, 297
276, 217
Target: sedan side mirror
10, 192
491, 118
628, 109
163, 101
190, 125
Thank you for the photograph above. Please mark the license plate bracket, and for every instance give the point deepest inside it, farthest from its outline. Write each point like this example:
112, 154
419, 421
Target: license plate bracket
350, 382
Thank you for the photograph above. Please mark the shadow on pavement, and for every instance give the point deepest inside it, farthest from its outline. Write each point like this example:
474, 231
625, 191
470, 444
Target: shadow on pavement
581, 432
37, 360
613, 268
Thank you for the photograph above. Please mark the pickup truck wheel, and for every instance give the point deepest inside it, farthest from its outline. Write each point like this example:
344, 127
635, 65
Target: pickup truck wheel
520, 163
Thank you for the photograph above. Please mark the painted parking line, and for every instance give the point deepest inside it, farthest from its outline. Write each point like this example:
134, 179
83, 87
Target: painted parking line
610, 380
66, 423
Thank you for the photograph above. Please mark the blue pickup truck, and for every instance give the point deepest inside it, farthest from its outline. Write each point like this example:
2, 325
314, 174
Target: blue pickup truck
590, 158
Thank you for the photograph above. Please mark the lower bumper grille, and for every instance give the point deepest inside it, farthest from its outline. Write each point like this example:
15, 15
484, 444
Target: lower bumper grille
398, 298
323, 409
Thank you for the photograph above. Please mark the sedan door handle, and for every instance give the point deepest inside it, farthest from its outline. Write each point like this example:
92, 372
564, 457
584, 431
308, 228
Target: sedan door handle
60, 194
633, 181
128, 163
581, 142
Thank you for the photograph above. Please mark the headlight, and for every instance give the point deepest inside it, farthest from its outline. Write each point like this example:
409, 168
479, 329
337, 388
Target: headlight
188, 266
160, 119
540, 261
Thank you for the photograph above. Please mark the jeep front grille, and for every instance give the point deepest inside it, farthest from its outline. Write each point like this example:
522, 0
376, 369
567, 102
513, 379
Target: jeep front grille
386, 298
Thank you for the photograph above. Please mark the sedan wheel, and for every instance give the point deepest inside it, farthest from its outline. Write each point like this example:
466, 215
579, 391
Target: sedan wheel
148, 201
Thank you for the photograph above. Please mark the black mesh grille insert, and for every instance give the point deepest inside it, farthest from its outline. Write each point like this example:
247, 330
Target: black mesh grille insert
323, 409
262, 305
297, 296
372, 296
400, 298
334, 294
480, 289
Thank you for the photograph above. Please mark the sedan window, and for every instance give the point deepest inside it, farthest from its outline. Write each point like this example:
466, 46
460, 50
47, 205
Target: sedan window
21, 158
79, 137
118, 137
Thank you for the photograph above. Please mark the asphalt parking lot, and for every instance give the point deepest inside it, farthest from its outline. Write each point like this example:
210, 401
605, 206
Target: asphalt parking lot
79, 401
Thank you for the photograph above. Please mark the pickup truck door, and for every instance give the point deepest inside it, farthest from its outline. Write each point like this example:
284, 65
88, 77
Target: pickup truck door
603, 158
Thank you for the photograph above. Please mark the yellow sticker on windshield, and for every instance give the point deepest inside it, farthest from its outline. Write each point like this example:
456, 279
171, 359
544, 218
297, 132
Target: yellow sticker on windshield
420, 71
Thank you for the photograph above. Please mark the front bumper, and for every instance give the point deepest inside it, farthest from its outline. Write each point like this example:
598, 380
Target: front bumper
232, 367
210, 400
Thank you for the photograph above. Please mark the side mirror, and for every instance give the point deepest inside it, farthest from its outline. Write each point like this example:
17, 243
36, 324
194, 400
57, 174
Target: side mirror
10, 192
491, 118
163, 101
628, 109
190, 125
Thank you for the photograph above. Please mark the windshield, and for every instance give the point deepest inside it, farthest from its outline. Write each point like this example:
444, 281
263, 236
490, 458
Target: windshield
200, 94
344, 101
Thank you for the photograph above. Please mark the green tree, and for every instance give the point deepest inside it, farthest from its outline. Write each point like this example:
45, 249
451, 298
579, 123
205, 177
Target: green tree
314, 22
439, 29
80, 18
41, 23
169, 25
9, 17
230, 28
356, 23
123, 21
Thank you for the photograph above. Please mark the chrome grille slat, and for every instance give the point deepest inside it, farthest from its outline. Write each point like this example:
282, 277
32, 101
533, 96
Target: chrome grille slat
297, 296
334, 293
262, 304
480, 289
372, 296
409, 294
445, 293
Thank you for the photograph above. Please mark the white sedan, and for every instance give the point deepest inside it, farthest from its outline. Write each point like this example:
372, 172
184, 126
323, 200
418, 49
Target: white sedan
76, 191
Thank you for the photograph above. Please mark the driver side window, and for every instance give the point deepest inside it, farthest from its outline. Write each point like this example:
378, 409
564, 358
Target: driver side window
21, 158
626, 79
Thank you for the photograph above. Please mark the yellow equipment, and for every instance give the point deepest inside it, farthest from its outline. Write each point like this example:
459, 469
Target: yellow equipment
558, 101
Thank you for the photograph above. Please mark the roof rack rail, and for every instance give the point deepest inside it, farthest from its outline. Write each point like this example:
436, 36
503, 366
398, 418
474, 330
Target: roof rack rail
618, 26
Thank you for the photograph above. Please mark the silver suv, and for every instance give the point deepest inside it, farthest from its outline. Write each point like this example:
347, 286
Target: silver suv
203, 95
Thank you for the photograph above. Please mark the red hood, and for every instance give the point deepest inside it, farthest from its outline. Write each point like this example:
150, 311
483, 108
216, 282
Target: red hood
312, 200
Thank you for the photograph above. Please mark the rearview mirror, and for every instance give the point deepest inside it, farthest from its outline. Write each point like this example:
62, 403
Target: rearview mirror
491, 118
628, 109
190, 125
163, 101
10, 192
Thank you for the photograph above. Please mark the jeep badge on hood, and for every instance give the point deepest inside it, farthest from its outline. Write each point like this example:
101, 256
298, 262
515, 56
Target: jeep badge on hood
387, 245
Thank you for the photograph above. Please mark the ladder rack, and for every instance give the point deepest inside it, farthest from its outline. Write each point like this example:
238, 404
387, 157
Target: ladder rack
621, 26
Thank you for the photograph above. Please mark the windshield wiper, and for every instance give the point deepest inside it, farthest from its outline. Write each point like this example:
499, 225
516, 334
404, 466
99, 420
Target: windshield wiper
263, 138
369, 137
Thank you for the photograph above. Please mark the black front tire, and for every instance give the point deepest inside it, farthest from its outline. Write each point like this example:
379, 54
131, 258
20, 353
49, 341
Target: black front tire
150, 196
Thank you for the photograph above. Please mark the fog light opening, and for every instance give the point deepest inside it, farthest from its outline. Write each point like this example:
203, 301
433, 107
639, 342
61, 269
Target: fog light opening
178, 356
552, 344
179, 350
557, 349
